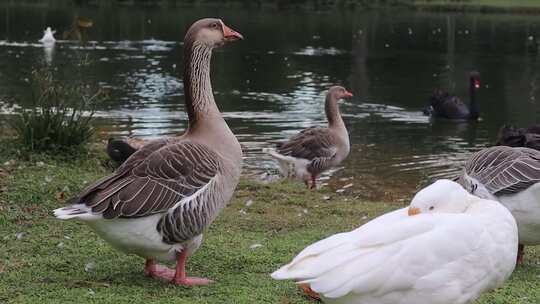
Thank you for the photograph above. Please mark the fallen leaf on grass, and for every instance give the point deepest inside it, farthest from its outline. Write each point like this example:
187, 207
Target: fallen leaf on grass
60, 195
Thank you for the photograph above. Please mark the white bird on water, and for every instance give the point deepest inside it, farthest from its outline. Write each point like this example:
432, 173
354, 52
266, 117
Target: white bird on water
48, 36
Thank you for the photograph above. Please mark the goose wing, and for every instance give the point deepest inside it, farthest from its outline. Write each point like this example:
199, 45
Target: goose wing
310, 143
505, 170
177, 173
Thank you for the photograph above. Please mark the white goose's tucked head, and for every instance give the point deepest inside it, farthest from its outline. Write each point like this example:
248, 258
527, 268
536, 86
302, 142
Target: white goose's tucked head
443, 196
211, 32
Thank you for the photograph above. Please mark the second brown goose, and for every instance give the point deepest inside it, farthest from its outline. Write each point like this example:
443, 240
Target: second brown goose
307, 154
159, 202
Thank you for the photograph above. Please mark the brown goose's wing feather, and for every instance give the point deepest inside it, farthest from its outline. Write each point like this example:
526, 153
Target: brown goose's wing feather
505, 170
310, 144
154, 184
133, 161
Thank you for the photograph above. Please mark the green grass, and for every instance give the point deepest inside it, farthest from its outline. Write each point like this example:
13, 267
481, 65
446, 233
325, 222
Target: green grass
47, 264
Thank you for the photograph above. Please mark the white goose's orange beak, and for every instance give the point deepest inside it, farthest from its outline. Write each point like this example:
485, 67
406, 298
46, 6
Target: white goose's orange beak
414, 211
229, 34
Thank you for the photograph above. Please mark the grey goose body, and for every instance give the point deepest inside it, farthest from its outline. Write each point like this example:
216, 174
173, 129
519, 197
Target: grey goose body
160, 200
314, 150
512, 177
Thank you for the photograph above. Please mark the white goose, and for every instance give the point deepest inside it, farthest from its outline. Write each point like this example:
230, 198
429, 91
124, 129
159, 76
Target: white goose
512, 177
159, 202
447, 247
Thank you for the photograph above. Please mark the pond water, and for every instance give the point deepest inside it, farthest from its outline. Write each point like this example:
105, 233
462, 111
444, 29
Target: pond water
271, 85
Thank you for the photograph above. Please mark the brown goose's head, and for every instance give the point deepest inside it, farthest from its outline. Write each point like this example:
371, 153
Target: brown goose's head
338, 92
211, 32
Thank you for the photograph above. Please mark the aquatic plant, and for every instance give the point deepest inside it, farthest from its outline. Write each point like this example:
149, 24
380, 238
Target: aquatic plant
59, 115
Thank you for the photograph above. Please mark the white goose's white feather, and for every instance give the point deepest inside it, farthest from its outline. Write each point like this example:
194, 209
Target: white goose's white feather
437, 258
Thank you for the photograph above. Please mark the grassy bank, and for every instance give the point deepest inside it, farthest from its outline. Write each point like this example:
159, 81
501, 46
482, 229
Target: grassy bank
484, 6
49, 261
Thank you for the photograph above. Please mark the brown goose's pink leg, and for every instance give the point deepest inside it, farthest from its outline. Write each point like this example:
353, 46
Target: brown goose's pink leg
180, 277
313, 182
156, 271
520, 254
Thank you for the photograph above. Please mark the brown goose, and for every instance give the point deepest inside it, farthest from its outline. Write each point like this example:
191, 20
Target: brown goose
316, 149
512, 177
159, 202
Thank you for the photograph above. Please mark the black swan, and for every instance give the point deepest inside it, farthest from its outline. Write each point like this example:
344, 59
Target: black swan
444, 105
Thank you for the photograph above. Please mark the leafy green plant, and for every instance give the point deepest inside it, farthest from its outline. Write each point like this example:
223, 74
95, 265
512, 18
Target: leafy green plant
60, 115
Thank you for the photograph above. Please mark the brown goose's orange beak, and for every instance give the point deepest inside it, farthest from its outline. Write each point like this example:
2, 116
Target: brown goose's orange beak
414, 211
348, 94
229, 34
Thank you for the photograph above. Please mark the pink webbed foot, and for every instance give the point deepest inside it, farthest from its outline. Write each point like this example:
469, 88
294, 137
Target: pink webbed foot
160, 272
180, 277
176, 276
191, 281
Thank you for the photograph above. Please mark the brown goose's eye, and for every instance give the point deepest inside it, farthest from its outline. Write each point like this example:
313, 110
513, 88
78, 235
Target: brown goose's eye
214, 25
431, 208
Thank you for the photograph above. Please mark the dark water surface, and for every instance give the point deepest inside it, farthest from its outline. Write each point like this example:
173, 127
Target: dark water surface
272, 84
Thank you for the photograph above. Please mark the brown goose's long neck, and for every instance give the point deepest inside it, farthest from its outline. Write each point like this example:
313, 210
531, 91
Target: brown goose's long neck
199, 98
332, 112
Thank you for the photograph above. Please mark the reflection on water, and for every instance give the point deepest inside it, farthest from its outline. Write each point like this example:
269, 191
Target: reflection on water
272, 84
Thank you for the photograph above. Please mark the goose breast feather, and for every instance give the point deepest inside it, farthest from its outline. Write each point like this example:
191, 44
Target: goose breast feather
504, 170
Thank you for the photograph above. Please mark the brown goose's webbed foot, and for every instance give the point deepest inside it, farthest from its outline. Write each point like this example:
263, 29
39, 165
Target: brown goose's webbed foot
156, 271
180, 277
